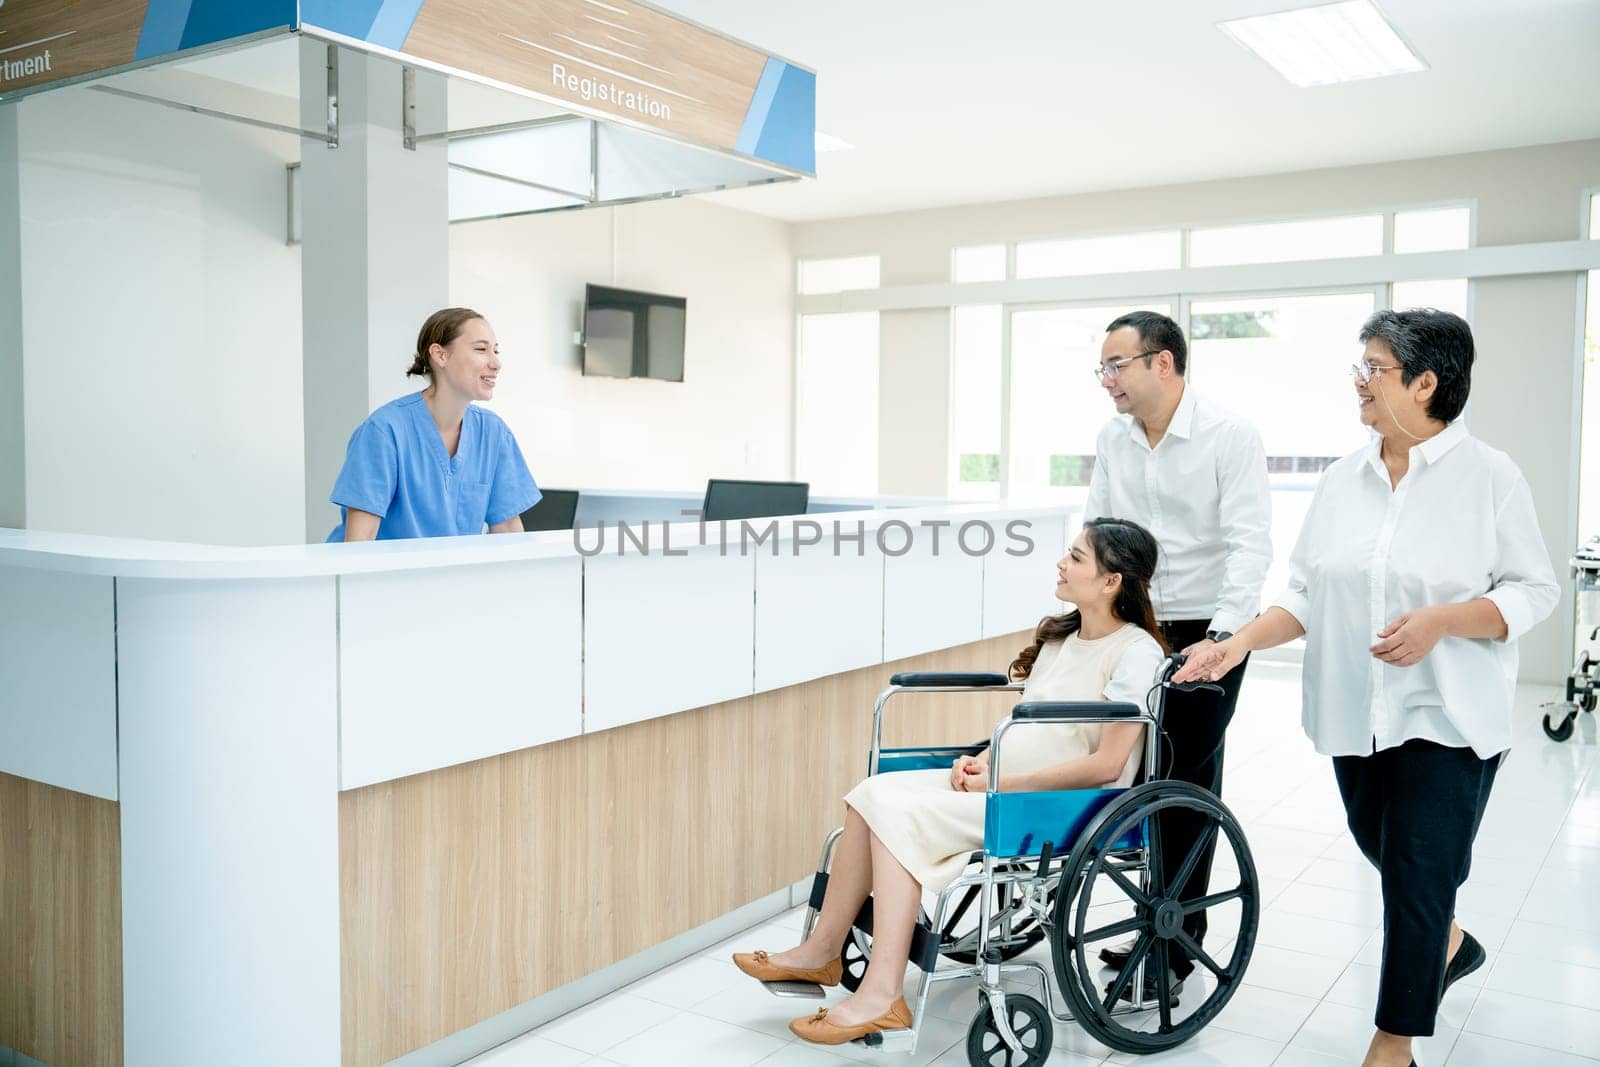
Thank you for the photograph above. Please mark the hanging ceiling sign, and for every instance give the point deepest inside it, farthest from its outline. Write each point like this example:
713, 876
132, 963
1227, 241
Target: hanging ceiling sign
47, 41
616, 57
613, 58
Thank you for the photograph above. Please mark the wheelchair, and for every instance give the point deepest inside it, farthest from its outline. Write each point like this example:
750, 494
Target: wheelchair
1053, 864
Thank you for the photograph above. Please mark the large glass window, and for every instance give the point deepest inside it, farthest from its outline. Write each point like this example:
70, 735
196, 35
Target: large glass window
1057, 406
1589, 426
975, 402
1099, 255
1433, 230
1284, 363
836, 404
975, 344
838, 275
978, 263
1278, 242
1445, 294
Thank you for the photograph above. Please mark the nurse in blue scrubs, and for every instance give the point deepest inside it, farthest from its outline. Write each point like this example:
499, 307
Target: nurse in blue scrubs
434, 464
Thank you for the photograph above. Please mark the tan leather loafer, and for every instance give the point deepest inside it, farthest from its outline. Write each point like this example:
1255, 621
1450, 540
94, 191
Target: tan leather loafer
818, 1030
759, 965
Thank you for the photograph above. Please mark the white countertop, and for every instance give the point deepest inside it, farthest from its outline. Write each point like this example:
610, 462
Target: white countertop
132, 558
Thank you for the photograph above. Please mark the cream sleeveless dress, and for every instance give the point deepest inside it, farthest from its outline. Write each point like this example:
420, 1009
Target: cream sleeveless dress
932, 828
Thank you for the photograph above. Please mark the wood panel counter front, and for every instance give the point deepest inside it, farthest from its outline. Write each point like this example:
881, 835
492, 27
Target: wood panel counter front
469, 890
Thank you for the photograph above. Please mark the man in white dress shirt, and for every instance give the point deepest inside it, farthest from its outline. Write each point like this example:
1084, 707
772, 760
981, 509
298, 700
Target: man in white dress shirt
1194, 475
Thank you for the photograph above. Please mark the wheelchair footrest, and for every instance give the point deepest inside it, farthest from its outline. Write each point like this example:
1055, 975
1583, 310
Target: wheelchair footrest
795, 989
890, 1040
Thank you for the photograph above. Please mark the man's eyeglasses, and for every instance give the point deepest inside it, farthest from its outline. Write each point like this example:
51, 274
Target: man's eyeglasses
1108, 372
1365, 370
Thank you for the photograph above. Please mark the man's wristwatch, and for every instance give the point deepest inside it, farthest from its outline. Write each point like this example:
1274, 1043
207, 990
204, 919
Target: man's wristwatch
1218, 636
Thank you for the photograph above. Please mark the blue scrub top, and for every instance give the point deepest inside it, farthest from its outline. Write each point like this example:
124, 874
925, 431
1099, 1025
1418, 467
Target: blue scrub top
397, 468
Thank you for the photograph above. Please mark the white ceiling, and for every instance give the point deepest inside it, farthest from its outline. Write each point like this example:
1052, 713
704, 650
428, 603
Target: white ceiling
954, 101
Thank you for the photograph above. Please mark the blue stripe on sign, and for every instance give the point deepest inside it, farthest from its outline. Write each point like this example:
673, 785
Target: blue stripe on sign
211, 21
393, 24
352, 18
755, 118
162, 31
789, 135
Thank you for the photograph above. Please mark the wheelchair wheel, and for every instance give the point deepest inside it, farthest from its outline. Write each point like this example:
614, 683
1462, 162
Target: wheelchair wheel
959, 942
1562, 731
856, 954
1156, 922
1029, 1022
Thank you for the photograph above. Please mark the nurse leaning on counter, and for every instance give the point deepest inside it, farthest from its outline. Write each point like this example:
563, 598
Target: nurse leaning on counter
432, 464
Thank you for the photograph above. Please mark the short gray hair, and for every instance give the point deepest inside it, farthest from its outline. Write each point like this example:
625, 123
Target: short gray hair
1425, 339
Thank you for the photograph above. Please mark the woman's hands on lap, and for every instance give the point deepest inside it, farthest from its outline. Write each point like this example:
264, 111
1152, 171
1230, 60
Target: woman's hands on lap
970, 774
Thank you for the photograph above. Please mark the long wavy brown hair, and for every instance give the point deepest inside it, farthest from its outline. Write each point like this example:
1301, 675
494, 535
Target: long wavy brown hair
1120, 547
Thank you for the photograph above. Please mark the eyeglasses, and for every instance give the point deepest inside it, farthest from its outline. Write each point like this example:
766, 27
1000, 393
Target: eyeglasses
1366, 370
1108, 372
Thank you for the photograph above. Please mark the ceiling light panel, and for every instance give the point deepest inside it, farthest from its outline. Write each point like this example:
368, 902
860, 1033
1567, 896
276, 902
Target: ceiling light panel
1327, 44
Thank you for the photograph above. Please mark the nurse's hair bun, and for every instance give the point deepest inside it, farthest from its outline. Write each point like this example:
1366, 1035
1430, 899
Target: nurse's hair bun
442, 327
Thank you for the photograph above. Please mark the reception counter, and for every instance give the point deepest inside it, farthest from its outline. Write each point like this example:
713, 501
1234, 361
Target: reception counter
350, 804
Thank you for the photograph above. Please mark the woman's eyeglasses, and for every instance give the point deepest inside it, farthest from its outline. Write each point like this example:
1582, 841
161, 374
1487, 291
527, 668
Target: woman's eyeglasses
1108, 372
1365, 370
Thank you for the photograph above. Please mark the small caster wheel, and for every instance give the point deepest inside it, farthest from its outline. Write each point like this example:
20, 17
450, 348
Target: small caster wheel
1029, 1021
1590, 699
856, 955
1564, 730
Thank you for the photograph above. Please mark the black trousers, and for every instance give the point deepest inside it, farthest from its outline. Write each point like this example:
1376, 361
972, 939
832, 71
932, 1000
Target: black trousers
1191, 751
1414, 811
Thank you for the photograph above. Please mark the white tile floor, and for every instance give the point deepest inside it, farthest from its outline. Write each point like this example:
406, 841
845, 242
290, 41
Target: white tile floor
1309, 992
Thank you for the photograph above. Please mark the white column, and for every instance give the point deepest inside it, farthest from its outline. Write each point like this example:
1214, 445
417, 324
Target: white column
375, 253
13, 465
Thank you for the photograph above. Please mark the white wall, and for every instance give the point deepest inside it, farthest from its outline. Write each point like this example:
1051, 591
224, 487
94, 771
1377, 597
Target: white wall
162, 345
730, 416
161, 324
1522, 195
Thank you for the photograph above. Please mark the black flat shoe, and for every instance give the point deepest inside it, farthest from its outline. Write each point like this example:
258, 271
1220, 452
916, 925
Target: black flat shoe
1116, 958
1468, 958
1151, 993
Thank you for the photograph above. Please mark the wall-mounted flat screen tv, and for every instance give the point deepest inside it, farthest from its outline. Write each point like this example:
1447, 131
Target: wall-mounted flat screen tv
628, 334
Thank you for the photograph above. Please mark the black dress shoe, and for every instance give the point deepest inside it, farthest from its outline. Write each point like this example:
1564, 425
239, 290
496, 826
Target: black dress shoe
1468, 958
1151, 993
1116, 958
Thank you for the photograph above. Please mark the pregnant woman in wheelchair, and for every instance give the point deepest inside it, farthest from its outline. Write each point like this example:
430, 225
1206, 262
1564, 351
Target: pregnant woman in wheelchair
913, 831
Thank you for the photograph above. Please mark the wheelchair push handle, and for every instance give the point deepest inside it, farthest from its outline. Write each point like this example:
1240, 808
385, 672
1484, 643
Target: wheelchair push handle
1172, 665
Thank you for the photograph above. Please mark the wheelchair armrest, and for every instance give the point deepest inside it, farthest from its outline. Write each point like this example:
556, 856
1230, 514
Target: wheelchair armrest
942, 679
1076, 711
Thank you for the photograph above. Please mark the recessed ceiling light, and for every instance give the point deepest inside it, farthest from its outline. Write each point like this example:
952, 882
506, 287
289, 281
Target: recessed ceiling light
826, 142
1327, 44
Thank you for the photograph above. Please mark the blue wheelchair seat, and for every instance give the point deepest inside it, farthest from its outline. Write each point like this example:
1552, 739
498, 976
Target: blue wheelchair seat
1018, 824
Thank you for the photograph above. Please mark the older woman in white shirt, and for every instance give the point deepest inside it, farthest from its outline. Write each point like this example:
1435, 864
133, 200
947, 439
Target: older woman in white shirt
1419, 566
